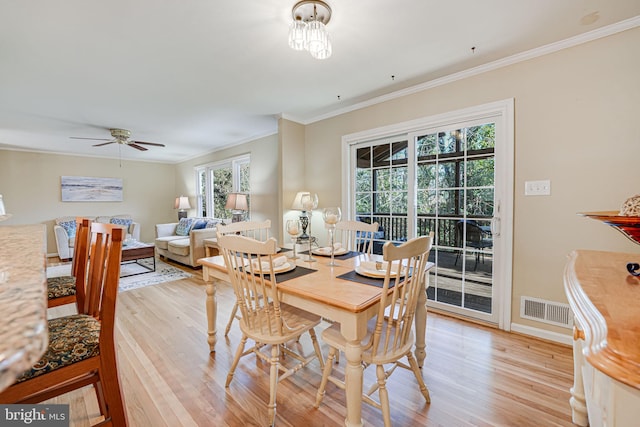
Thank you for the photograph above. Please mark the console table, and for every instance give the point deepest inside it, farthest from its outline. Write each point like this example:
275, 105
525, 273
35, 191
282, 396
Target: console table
605, 300
23, 299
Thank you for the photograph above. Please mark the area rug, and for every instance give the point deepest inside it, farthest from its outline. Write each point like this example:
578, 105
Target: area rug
164, 273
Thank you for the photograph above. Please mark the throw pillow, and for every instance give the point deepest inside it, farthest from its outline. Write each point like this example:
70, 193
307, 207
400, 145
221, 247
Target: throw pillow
184, 226
199, 224
69, 227
121, 221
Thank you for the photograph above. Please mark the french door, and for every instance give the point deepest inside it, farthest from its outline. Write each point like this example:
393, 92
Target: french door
452, 175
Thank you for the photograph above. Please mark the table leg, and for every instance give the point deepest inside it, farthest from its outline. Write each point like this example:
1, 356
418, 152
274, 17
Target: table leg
212, 308
578, 403
353, 384
421, 322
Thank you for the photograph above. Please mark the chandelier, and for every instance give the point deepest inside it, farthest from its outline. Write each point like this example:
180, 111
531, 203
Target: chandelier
308, 31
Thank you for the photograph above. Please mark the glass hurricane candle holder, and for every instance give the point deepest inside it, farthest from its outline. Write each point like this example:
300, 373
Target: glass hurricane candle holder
293, 228
331, 217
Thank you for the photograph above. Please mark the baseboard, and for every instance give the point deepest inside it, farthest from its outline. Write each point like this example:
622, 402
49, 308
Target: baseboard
542, 334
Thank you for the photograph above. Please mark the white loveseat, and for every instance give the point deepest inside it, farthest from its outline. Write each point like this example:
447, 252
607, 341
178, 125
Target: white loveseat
64, 230
181, 242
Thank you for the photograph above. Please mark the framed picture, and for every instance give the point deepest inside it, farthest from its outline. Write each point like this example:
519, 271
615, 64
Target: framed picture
90, 189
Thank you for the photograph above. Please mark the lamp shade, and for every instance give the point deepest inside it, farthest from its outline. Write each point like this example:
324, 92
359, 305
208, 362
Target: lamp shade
236, 202
182, 202
297, 202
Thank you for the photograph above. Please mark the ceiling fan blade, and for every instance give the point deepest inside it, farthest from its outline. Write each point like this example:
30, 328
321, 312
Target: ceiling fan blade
104, 143
149, 143
137, 147
93, 139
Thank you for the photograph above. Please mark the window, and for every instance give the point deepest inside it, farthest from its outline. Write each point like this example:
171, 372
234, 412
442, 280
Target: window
216, 180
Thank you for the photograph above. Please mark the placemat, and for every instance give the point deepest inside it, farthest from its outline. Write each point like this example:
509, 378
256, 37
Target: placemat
296, 272
348, 255
355, 277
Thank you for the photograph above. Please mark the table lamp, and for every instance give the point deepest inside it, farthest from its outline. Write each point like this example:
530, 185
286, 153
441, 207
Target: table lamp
237, 204
182, 204
304, 218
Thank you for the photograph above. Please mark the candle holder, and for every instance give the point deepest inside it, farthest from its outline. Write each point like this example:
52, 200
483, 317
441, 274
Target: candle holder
293, 228
331, 217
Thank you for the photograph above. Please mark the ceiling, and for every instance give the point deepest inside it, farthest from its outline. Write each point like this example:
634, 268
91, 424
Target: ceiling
198, 75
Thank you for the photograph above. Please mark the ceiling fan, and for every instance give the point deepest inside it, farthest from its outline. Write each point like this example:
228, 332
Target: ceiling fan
121, 136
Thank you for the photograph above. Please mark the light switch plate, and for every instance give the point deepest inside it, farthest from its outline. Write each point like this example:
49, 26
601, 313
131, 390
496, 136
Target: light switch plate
537, 188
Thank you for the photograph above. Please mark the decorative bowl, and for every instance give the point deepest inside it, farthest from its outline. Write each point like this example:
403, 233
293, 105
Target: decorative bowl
627, 225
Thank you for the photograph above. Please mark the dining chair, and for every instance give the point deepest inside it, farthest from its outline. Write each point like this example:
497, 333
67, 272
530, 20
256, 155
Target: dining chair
356, 235
264, 319
81, 348
62, 290
390, 337
258, 230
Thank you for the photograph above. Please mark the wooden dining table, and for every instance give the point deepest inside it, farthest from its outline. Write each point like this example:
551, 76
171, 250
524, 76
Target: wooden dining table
323, 292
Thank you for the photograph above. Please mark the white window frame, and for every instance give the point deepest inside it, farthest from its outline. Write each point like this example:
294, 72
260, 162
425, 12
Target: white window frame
235, 163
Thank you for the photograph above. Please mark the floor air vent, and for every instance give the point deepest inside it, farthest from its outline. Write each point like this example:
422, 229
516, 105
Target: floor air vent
551, 312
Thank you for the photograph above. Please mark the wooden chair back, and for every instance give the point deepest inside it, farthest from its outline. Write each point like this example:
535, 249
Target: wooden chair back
258, 230
81, 258
356, 235
392, 333
103, 275
249, 263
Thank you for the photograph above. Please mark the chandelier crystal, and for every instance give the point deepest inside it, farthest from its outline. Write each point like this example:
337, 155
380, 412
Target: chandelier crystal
308, 29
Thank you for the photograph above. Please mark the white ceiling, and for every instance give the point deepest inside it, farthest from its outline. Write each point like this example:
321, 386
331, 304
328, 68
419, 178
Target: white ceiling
197, 75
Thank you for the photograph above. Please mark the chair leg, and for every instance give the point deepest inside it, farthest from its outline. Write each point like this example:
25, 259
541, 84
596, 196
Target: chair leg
316, 347
273, 382
325, 376
384, 395
416, 371
113, 396
234, 312
236, 359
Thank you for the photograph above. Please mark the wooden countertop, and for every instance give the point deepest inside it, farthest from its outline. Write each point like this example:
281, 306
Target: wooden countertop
605, 300
23, 299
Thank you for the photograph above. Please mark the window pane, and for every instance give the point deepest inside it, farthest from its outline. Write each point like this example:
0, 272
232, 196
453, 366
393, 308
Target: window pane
399, 202
400, 153
381, 155
363, 180
222, 186
426, 173
480, 202
426, 146
399, 178
382, 203
363, 203
448, 202
481, 137
480, 172
450, 174
426, 202
399, 229
449, 142
363, 157
382, 179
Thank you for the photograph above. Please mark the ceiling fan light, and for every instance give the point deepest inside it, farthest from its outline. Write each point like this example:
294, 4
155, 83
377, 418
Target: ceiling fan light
297, 34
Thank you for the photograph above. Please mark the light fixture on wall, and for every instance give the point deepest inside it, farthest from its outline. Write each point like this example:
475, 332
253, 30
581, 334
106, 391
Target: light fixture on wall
3, 214
182, 204
237, 204
308, 31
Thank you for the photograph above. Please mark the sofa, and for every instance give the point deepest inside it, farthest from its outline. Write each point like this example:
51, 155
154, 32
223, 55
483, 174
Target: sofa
183, 241
65, 226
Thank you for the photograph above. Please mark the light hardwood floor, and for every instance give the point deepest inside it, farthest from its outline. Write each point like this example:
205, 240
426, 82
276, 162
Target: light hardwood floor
477, 376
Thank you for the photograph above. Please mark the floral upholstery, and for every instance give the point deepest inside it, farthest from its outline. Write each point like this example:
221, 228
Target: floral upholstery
71, 340
62, 286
